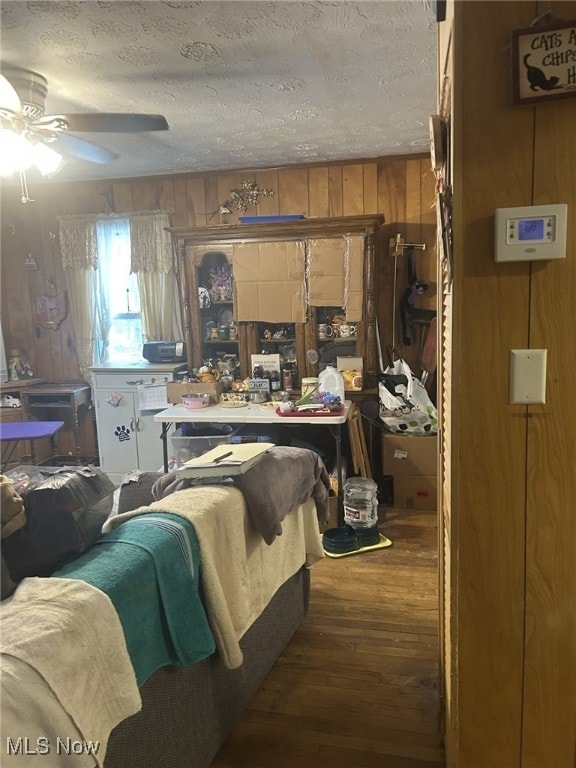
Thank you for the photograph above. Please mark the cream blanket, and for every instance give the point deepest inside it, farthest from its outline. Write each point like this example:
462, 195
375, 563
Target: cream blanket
67, 679
240, 572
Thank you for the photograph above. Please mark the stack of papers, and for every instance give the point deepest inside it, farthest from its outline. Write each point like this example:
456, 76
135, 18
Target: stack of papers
225, 460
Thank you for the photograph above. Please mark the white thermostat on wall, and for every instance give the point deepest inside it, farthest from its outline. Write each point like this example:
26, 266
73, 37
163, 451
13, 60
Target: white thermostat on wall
531, 233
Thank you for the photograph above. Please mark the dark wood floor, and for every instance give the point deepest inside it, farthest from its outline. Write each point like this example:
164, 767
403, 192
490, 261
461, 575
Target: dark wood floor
357, 685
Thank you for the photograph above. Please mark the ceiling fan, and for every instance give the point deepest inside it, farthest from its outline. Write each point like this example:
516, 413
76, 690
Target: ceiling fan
22, 104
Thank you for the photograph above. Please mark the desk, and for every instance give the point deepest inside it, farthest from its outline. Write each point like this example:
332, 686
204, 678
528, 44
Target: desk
15, 386
256, 414
69, 396
15, 431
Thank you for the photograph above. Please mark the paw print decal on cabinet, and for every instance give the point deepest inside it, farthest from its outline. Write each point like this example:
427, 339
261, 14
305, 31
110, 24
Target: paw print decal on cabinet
129, 438
122, 433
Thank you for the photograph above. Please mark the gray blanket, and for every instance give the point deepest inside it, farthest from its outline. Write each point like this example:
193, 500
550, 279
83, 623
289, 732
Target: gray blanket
282, 480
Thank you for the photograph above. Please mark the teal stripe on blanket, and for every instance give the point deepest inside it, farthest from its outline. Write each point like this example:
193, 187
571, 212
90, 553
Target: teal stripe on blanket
149, 567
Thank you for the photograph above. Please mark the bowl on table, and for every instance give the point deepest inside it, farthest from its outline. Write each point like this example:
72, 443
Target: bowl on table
258, 397
196, 400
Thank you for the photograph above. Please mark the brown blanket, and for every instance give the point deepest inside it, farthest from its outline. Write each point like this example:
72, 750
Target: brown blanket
282, 480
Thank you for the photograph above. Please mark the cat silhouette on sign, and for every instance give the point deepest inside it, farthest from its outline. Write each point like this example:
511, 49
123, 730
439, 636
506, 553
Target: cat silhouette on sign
537, 78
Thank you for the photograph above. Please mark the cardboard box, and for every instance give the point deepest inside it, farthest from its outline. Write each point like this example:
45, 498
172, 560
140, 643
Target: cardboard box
415, 492
175, 390
333, 519
336, 273
408, 455
269, 282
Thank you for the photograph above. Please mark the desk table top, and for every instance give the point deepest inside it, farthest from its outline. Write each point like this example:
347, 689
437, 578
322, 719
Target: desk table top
58, 388
14, 385
253, 413
28, 430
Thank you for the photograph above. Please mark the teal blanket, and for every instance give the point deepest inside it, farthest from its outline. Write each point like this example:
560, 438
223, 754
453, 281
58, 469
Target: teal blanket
149, 568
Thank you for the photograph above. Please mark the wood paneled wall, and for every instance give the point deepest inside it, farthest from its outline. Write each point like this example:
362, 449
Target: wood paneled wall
400, 188
510, 526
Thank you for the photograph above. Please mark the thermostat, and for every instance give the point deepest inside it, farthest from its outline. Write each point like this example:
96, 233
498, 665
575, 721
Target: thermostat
531, 233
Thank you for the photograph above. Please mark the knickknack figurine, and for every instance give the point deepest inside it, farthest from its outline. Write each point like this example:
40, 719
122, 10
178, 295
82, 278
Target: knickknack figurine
220, 283
18, 367
241, 198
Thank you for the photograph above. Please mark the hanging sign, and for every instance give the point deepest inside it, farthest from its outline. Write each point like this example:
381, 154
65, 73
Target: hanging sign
544, 63
51, 310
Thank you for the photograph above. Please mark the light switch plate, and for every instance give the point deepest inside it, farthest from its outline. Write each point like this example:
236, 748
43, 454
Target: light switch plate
527, 376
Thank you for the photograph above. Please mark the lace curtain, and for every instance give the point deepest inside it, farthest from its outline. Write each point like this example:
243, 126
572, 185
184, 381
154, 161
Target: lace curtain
80, 261
151, 260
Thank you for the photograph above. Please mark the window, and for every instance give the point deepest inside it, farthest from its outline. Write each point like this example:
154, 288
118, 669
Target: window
120, 295
98, 255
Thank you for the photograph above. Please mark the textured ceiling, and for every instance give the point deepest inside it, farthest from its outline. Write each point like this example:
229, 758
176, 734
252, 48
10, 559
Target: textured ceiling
242, 84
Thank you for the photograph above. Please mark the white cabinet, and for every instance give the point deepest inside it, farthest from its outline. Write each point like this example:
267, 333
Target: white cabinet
128, 438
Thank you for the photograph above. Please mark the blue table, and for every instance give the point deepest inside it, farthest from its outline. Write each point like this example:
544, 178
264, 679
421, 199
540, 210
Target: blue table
13, 432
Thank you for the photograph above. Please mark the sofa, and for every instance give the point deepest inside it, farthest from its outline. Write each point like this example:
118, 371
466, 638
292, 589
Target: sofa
253, 584
187, 712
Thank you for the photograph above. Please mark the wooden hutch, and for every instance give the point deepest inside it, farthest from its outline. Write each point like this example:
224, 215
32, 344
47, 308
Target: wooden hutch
287, 279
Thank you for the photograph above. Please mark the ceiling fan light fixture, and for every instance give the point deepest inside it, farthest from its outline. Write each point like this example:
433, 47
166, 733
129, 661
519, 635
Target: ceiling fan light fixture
18, 154
27, 133
15, 152
46, 160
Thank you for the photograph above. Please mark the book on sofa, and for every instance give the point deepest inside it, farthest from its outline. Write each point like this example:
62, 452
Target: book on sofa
224, 460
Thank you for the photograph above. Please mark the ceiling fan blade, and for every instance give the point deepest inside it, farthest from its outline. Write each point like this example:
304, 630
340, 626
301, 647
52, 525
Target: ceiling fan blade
109, 122
73, 146
9, 99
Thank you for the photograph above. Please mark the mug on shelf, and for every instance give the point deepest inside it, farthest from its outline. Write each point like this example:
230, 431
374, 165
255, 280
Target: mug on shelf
347, 329
324, 331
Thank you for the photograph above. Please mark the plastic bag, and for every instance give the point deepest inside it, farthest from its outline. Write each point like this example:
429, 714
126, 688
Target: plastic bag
405, 405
